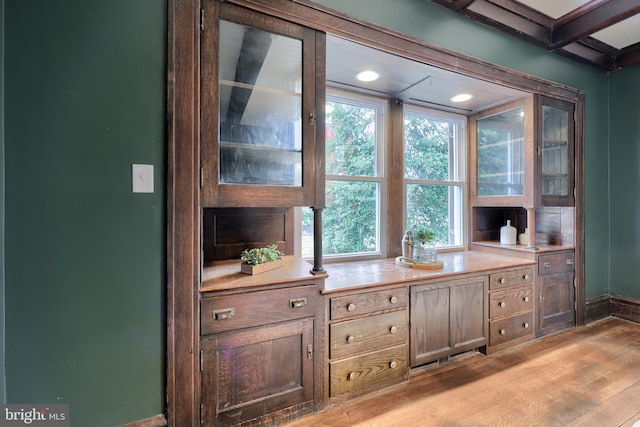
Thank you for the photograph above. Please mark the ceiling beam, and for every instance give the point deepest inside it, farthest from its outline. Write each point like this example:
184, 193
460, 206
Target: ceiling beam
593, 20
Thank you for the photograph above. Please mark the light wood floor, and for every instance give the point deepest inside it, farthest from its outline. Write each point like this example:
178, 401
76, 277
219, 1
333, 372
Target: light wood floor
587, 376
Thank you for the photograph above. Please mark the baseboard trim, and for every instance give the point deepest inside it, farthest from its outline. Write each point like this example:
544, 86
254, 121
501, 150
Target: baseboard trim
597, 308
157, 421
625, 308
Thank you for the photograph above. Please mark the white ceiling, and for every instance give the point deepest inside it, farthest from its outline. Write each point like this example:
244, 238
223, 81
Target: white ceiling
620, 35
411, 81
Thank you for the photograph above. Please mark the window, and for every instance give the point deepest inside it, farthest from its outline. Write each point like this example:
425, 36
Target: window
355, 186
434, 174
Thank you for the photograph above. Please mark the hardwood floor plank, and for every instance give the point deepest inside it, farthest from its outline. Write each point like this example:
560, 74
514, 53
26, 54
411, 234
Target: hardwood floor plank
588, 376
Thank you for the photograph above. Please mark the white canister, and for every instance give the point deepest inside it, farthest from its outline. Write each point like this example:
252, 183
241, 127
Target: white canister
508, 234
523, 238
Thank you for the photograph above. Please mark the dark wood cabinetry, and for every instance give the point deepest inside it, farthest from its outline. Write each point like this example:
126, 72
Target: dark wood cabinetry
262, 91
511, 308
447, 318
368, 342
258, 355
556, 292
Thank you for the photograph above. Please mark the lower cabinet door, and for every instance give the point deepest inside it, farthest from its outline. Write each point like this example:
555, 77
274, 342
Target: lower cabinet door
556, 309
251, 373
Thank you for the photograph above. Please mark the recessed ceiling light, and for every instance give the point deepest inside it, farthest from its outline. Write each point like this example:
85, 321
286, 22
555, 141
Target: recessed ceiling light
462, 97
367, 76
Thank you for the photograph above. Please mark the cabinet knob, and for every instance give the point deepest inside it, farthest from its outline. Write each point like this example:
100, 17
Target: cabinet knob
351, 339
351, 376
393, 364
393, 300
351, 307
503, 304
526, 299
503, 280
393, 329
525, 325
503, 331
525, 277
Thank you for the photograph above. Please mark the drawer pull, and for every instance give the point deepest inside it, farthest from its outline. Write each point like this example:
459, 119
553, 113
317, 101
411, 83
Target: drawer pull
393, 329
525, 277
351, 307
225, 313
526, 299
525, 325
393, 300
351, 376
570, 262
297, 303
351, 339
503, 331
546, 264
503, 304
393, 365
503, 280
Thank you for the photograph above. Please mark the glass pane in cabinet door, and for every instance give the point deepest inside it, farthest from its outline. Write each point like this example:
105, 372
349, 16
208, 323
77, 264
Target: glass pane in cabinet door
555, 151
501, 154
260, 107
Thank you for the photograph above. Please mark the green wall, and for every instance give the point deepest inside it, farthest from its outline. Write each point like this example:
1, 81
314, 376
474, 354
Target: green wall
85, 258
625, 182
441, 27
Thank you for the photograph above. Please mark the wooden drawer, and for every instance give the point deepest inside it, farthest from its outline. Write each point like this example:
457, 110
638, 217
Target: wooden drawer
229, 312
507, 279
509, 301
556, 263
369, 371
510, 328
360, 336
359, 304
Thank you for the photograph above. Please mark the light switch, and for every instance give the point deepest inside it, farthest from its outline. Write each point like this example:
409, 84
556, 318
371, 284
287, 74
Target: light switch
142, 178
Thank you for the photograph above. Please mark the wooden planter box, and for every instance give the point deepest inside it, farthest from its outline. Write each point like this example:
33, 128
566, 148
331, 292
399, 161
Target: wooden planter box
260, 268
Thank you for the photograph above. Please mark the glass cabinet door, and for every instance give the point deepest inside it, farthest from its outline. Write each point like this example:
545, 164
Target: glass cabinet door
262, 82
501, 154
555, 151
260, 107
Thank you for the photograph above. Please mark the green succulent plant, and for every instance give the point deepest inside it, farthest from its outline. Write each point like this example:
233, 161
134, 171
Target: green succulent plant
257, 256
424, 236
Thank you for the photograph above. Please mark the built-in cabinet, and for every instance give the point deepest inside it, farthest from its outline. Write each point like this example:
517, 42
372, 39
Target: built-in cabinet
511, 308
257, 354
556, 291
447, 317
262, 89
368, 342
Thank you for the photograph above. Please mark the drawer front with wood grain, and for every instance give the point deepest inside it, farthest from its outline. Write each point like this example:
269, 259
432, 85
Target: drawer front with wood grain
370, 302
556, 263
509, 301
369, 371
507, 279
509, 328
353, 337
230, 312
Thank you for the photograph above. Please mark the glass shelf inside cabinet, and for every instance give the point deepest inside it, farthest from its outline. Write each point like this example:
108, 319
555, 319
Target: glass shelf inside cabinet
555, 151
260, 92
501, 154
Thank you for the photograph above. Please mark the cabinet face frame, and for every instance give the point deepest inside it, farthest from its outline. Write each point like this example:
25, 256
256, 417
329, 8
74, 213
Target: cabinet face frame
217, 194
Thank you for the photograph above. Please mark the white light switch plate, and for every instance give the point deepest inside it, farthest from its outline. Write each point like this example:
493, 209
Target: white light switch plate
142, 178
